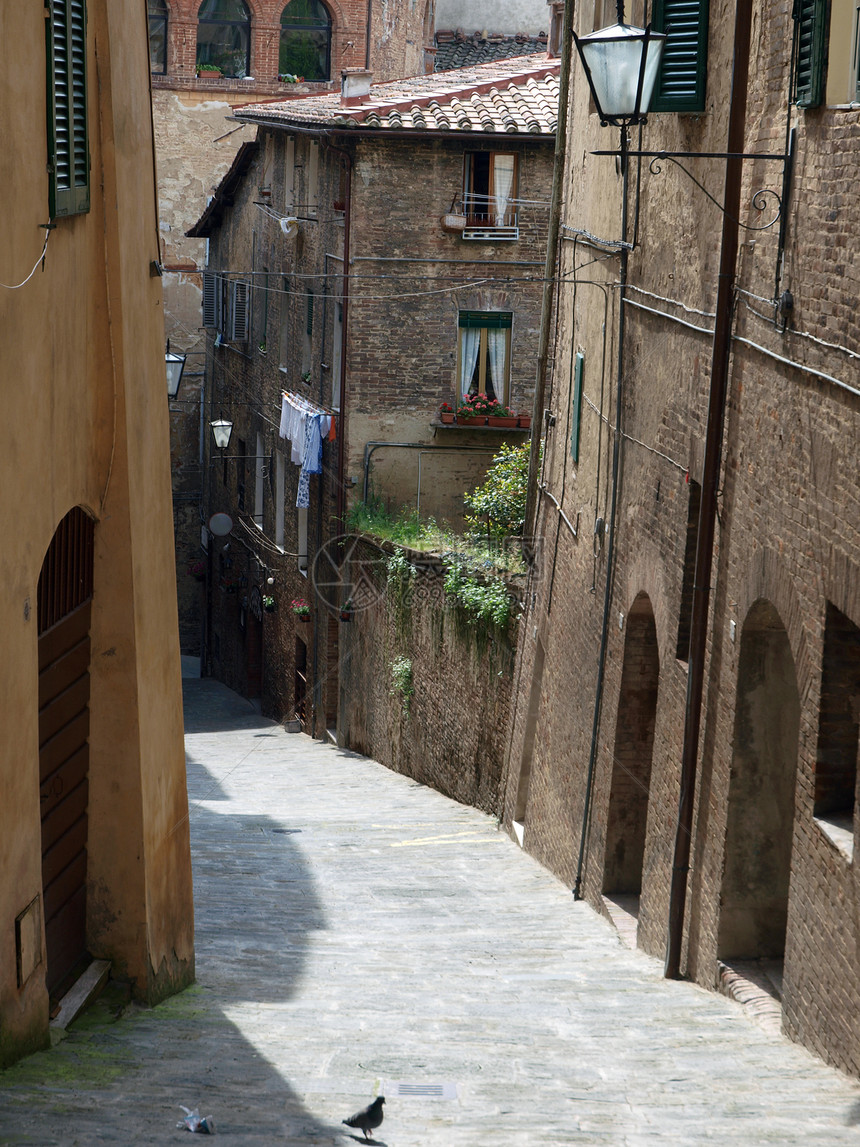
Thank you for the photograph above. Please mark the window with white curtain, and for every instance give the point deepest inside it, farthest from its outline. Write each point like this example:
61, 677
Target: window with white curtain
484, 354
490, 190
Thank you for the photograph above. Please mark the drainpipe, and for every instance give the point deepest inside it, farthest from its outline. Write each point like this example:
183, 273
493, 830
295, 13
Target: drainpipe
548, 284
624, 254
710, 482
341, 454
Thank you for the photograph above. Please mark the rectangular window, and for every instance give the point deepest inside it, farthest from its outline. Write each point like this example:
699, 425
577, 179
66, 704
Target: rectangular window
280, 467
285, 323
843, 53
289, 172
312, 176
302, 531
683, 72
576, 413
810, 18
308, 337
241, 459
68, 143
336, 358
489, 195
484, 354
263, 332
836, 757
259, 482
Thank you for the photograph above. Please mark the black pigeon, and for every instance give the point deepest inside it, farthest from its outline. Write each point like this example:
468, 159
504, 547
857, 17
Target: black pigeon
369, 1118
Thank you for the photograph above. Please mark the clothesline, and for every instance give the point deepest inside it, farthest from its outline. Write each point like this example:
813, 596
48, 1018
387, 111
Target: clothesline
306, 426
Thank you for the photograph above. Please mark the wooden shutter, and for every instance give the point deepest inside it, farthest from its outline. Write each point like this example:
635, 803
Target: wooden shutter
68, 145
211, 300
811, 19
683, 72
239, 311
576, 413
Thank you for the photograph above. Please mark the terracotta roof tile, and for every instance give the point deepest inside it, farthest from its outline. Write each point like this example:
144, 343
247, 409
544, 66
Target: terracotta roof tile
513, 96
455, 50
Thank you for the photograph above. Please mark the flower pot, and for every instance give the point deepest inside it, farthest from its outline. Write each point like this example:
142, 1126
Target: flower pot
208, 74
303, 616
462, 420
524, 421
446, 416
501, 420
346, 615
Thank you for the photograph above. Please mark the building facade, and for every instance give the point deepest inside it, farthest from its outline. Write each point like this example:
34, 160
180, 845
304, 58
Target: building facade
205, 59
706, 387
95, 849
334, 279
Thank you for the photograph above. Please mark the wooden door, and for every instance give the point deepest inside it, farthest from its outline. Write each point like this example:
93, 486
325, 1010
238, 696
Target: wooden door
65, 591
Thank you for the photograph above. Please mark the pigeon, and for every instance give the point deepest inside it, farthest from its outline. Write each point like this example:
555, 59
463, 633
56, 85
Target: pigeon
369, 1118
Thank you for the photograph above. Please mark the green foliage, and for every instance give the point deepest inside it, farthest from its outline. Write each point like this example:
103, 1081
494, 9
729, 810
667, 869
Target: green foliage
400, 579
499, 505
485, 601
401, 682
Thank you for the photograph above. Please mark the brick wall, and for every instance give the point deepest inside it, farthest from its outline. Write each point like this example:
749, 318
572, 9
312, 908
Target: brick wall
786, 533
453, 735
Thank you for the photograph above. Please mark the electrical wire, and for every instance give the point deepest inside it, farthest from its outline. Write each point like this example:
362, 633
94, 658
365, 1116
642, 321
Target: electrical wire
24, 282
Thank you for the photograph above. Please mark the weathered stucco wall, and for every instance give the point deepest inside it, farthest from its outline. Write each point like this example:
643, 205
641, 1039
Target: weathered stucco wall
85, 424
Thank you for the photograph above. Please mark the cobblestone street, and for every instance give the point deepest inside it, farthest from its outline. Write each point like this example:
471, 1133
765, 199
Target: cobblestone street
358, 934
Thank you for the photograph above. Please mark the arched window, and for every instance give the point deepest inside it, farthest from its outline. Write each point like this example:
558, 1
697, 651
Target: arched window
157, 35
224, 37
305, 40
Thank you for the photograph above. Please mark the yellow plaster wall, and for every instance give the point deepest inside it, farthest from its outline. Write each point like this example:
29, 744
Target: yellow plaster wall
85, 423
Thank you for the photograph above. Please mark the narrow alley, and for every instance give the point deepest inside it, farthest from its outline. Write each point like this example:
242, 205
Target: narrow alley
359, 934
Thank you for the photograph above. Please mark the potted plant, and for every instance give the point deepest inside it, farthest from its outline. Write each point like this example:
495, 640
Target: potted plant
347, 610
208, 71
502, 416
300, 608
524, 421
446, 413
269, 603
470, 412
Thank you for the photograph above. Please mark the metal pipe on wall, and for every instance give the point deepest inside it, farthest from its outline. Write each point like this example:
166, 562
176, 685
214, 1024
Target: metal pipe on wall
710, 482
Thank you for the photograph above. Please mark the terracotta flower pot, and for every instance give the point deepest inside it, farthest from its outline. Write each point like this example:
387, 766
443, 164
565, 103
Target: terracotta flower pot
501, 420
446, 416
525, 421
462, 420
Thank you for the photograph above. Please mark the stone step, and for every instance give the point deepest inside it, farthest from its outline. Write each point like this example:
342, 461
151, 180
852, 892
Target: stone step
82, 993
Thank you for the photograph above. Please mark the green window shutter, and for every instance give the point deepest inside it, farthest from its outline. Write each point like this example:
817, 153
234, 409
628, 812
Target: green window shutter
810, 18
683, 72
68, 145
576, 414
488, 320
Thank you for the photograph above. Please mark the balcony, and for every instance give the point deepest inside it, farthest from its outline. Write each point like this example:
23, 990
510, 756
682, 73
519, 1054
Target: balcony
472, 219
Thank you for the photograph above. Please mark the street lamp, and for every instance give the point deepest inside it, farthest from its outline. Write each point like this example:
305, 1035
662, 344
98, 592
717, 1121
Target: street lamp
621, 65
222, 428
174, 364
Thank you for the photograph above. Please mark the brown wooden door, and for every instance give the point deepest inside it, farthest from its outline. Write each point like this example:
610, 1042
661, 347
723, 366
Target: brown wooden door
65, 589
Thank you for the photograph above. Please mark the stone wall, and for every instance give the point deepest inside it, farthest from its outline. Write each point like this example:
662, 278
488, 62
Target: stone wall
452, 734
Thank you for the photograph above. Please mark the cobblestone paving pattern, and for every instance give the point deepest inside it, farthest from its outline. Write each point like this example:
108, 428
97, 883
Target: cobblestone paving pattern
357, 932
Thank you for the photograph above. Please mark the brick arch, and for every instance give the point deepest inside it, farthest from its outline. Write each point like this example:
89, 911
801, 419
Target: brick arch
644, 576
768, 578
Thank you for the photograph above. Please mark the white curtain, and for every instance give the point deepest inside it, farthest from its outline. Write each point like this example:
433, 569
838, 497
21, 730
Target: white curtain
470, 343
497, 352
503, 181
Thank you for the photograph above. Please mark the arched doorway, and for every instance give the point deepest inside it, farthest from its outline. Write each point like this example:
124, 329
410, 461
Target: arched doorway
760, 820
64, 598
631, 761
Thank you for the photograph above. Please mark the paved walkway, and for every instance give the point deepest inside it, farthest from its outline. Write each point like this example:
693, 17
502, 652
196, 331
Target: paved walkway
357, 932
